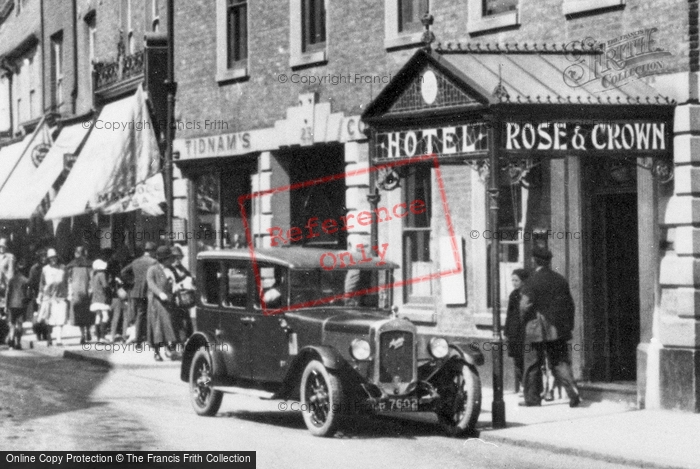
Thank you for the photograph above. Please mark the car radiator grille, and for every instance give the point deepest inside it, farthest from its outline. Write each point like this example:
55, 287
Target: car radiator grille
396, 357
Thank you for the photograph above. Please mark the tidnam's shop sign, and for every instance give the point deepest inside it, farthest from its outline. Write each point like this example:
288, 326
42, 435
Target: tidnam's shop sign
574, 136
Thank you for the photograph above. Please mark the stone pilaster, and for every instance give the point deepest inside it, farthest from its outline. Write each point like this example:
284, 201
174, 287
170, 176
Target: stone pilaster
679, 275
357, 188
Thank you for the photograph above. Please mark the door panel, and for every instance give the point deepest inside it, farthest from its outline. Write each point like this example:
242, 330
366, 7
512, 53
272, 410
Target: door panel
235, 327
615, 285
269, 342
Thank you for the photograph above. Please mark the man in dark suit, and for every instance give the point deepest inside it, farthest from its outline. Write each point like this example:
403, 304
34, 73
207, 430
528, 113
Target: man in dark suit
547, 310
138, 302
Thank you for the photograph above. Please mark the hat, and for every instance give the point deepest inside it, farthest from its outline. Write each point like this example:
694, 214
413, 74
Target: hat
149, 246
51, 252
163, 252
539, 252
176, 251
99, 264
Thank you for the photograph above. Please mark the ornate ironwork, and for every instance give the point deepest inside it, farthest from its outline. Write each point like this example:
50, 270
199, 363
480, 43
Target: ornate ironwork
125, 66
428, 37
387, 179
661, 170
482, 167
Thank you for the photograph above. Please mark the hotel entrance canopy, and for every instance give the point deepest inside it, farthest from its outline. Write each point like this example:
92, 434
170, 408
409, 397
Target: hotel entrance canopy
546, 101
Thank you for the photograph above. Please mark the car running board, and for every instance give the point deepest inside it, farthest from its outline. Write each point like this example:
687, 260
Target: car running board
245, 391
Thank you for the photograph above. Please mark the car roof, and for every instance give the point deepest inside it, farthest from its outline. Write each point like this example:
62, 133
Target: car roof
298, 257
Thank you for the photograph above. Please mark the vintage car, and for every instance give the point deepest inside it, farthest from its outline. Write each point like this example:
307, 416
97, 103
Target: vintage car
287, 324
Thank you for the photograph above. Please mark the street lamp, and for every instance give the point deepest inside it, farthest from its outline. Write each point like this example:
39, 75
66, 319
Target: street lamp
498, 406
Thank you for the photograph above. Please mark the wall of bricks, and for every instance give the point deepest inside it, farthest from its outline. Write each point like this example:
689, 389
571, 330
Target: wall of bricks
356, 45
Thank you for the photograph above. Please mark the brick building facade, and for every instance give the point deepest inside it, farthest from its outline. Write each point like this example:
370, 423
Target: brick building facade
270, 99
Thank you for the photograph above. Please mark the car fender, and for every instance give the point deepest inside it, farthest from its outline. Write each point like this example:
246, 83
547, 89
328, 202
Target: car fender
473, 356
330, 357
195, 342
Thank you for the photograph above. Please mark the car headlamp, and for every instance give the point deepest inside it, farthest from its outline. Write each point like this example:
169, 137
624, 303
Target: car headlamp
438, 347
360, 349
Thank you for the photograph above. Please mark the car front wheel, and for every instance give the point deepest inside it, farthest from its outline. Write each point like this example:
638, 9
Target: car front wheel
460, 402
321, 395
205, 399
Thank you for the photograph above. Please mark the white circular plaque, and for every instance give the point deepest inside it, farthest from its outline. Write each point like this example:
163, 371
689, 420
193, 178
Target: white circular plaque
429, 87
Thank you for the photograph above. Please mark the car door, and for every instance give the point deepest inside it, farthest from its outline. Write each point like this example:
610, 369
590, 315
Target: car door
208, 313
235, 324
269, 340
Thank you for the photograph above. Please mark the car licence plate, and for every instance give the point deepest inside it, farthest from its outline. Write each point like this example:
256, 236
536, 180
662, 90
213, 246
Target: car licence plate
397, 405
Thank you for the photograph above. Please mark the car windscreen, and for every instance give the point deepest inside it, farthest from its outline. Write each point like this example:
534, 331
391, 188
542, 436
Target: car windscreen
354, 287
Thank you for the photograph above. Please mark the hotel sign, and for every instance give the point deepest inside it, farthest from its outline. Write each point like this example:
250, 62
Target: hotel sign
618, 137
456, 140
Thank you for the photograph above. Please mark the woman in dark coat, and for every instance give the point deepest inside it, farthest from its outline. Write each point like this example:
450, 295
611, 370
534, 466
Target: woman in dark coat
184, 283
160, 296
514, 326
78, 272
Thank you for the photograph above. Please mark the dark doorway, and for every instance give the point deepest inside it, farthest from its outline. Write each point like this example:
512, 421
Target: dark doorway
317, 194
613, 300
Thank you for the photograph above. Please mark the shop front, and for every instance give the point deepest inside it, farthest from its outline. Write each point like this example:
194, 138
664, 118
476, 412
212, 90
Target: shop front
579, 171
248, 186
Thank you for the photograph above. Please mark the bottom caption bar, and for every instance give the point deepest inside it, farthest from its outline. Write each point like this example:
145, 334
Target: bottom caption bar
237, 459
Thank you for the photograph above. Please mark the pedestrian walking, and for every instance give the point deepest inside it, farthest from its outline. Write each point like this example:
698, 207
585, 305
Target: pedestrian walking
138, 301
53, 293
160, 297
184, 293
78, 272
17, 299
547, 309
7, 270
514, 327
38, 327
101, 298
119, 308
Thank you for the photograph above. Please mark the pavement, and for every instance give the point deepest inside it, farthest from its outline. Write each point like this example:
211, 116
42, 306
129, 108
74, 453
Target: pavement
606, 430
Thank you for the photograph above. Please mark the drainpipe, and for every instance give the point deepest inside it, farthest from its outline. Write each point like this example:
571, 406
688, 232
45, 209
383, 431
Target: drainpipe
171, 88
42, 43
74, 93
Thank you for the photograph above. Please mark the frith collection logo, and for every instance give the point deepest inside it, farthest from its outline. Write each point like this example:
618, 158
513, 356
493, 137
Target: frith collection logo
621, 60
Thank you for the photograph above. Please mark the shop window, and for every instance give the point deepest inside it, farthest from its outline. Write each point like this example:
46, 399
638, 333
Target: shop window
208, 210
403, 26
232, 39
236, 284
417, 234
307, 32
211, 273
489, 15
57, 70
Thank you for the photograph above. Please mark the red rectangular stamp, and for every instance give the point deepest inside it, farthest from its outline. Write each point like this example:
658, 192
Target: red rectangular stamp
345, 267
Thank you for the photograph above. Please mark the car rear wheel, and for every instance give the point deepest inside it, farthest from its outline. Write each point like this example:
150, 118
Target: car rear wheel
460, 403
205, 399
321, 395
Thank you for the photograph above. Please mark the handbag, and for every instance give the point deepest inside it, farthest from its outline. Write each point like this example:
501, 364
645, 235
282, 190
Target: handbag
185, 298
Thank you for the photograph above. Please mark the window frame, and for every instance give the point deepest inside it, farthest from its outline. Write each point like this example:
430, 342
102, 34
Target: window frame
394, 38
574, 7
226, 71
57, 70
220, 284
477, 22
407, 230
298, 56
226, 265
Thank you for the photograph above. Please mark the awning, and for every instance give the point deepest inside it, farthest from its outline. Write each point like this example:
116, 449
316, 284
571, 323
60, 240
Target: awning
118, 169
10, 156
33, 178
